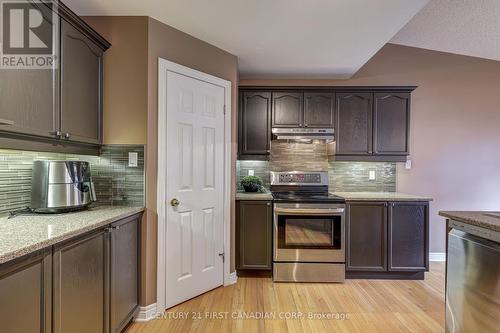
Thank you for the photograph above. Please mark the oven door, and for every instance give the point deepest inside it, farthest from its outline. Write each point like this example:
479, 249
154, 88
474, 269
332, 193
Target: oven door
309, 233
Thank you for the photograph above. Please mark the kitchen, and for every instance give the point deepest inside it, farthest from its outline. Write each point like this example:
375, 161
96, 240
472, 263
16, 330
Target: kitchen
364, 162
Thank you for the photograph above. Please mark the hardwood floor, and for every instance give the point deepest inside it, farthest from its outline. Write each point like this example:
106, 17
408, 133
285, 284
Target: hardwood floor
370, 306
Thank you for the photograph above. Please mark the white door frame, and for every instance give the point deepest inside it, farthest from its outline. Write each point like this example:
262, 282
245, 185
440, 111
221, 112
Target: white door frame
163, 67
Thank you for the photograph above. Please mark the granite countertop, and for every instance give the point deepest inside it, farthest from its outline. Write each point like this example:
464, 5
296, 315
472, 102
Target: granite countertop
25, 234
265, 196
380, 196
487, 220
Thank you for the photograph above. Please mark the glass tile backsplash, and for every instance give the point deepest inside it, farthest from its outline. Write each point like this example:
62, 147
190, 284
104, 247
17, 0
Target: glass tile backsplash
344, 176
115, 182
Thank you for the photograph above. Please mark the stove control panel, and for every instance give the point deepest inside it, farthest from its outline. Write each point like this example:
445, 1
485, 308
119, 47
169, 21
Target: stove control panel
299, 178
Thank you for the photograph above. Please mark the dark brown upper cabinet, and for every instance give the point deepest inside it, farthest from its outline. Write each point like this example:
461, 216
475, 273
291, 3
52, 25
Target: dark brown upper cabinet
391, 123
353, 123
254, 125
371, 123
287, 109
408, 236
28, 96
81, 86
57, 109
319, 109
367, 237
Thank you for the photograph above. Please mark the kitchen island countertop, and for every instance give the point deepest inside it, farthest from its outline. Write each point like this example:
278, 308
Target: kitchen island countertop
25, 234
487, 220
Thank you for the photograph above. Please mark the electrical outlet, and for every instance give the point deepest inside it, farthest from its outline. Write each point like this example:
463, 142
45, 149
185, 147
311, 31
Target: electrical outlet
132, 159
251, 173
371, 175
408, 164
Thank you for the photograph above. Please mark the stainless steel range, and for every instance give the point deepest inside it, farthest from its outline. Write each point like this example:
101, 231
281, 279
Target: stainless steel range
309, 228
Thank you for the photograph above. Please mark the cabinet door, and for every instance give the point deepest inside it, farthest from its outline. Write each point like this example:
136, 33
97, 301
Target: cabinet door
391, 123
80, 285
81, 86
254, 235
353, 123
27, 97
367, 236
287, 109
409, 236
124, 282
319, 109
25, 301
255, 124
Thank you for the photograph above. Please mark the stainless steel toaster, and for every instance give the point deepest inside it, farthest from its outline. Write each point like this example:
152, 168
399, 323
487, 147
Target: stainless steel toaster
61, 186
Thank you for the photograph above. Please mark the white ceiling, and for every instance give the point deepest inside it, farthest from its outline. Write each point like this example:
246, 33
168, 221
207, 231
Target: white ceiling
468, 27
321, 38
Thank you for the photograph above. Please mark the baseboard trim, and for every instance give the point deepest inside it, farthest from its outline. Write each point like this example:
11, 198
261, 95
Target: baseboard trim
146, 313
437, 256
230, 279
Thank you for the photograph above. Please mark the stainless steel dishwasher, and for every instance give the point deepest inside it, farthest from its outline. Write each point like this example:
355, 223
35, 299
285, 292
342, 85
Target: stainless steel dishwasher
473, 282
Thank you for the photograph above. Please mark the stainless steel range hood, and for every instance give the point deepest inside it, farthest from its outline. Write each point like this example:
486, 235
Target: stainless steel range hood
304, 134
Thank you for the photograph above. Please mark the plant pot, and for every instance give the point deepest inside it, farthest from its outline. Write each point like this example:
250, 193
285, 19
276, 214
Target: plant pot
252, 188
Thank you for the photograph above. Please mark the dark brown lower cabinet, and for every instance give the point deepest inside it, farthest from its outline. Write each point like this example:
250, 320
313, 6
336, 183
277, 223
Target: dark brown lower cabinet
254, 235
367, 237
124, 282
408, 236
86, 284
387, 240
81, 285
26, 296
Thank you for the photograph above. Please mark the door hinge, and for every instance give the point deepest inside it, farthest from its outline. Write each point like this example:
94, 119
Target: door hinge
223, 256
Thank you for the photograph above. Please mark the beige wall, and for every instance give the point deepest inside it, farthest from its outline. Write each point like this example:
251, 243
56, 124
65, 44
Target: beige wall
455, 136
131, 103
173, 45
125, 78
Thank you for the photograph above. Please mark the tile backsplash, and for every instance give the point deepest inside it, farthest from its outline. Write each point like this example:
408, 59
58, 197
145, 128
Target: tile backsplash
298, 156
354, 177
343, 176
260, 168
115, 182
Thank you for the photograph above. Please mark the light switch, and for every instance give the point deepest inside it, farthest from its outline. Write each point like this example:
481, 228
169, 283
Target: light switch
408, 164
251, 173
132, 159
371, 175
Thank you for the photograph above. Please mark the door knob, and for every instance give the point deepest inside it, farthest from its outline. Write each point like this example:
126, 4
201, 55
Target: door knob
174, 202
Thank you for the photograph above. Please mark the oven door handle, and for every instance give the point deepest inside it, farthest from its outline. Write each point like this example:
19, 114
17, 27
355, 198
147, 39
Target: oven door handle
305, 211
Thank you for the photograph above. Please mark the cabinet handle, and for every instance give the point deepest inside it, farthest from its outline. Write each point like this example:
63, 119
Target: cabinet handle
57, 134
269, 204
67, 135
6, 122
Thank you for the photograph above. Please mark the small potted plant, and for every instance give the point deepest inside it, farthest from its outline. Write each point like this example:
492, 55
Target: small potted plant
251, 183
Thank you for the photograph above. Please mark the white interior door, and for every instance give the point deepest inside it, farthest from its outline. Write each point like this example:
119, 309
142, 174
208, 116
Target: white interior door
194, 189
